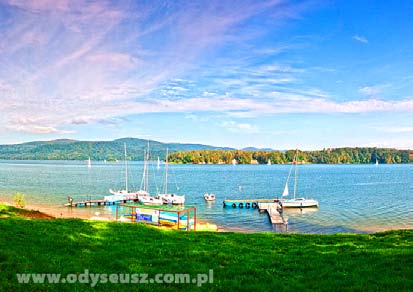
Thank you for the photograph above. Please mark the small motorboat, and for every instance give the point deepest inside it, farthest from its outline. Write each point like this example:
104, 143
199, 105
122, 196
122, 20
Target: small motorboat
172, 199
209, 197
149, 200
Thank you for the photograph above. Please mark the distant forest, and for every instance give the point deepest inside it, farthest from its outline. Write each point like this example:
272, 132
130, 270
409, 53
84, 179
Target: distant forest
326, 156
192, 153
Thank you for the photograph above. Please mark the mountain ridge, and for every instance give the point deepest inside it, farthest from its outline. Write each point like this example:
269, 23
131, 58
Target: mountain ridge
69, 149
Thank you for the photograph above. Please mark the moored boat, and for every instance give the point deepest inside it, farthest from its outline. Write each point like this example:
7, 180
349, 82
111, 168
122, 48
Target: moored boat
296, 202
151, 200
209, 197
170, 198
299, 203
121, 195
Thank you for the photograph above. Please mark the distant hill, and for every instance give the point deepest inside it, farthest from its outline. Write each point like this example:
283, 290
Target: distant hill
65, 149
257, 149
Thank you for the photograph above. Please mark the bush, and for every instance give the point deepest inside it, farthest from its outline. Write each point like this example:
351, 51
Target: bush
19, 200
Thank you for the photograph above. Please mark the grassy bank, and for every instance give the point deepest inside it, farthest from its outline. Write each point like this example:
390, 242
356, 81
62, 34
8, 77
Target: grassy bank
240, 262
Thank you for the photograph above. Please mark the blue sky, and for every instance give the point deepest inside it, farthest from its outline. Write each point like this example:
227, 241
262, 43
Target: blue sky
278, 74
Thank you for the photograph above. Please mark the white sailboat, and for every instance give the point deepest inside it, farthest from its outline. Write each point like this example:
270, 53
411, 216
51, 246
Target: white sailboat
377, 162
158, 166
269, 162
295, 202
89, 163
169, 198
143, 194
120, 195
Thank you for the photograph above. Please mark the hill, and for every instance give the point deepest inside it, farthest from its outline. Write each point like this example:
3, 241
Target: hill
257, 149
65, 149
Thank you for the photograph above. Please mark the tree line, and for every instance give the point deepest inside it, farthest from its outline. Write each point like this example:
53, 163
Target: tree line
325, 156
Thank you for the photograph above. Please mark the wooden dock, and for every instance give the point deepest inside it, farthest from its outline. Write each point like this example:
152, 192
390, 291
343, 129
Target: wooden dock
273, 210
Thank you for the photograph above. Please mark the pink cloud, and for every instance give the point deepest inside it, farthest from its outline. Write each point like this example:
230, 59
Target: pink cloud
41, 5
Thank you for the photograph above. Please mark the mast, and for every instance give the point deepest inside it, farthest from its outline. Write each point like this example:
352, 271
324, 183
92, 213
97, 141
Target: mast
166, 172
126, 169
295, 173
146, 170
143, 182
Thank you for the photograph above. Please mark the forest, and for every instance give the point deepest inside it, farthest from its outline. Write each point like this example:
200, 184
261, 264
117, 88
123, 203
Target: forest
325, 156
65, 149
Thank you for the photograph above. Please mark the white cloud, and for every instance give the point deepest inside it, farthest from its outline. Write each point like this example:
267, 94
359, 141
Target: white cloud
33, 129
360, 39
386, 142
397, 129
207, 93
281, 104
369, 91
240, 127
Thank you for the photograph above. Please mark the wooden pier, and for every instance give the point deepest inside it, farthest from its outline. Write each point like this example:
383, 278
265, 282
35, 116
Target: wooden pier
274, 213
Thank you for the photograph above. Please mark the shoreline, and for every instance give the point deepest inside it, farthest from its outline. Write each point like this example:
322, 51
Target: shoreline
71, 213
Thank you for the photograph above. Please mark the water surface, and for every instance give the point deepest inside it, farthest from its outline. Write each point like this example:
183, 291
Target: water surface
352, 198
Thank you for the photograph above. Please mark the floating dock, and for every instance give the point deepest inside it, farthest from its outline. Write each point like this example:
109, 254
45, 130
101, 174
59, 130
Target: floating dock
253, 203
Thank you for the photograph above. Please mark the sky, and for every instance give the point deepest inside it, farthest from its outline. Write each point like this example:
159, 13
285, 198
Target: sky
267, 74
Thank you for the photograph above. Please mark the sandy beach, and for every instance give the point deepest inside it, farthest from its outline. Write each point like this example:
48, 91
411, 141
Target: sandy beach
75, 213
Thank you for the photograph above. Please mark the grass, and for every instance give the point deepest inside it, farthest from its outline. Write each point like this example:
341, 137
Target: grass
240, 262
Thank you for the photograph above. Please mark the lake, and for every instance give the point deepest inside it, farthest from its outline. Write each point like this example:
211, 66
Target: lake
352, 198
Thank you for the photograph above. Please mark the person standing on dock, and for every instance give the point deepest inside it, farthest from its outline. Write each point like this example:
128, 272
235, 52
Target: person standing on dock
70, 199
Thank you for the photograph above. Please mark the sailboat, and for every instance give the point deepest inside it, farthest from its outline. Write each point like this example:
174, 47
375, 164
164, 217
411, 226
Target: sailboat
269, 162
143, 194
295, 202
89, 163
377, 162
159, 164
169, 198
120, 195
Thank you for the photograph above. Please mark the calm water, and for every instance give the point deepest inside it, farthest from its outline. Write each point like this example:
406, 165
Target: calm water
352, 198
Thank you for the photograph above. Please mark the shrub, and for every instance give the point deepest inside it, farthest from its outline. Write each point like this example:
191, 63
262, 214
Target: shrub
19, 200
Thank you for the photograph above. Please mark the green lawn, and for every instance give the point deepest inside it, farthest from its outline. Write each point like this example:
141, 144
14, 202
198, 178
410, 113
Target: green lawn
240, 262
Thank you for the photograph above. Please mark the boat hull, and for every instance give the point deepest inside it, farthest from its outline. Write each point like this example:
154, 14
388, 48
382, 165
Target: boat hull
299, 203
209, 197
172, 199
151, 201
